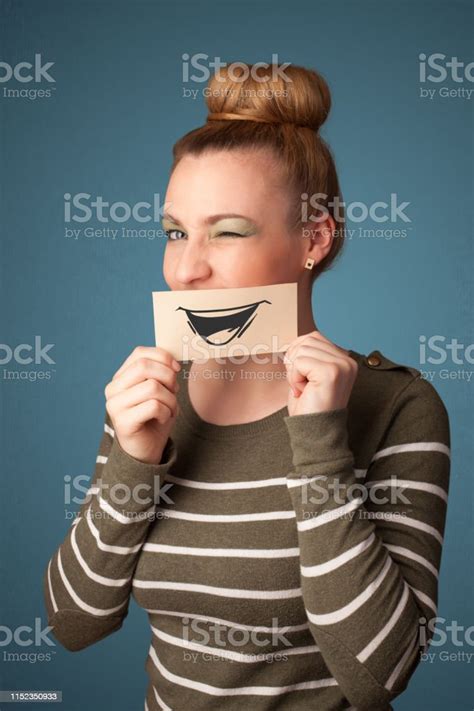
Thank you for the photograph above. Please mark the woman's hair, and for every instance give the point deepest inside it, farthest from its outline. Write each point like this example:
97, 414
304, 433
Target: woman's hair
286, 108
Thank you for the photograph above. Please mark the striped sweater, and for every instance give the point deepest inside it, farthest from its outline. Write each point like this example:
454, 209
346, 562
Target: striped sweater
286, 563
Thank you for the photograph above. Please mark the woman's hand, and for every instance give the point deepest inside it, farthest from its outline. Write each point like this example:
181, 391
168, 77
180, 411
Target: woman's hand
142, 404
320, 375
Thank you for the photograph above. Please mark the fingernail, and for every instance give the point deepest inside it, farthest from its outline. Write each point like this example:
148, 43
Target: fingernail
176, 365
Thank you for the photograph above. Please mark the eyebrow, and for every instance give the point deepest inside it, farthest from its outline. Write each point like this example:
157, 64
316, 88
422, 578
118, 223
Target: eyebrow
211, 219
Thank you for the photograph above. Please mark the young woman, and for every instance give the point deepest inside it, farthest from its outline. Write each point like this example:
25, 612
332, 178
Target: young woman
289, 556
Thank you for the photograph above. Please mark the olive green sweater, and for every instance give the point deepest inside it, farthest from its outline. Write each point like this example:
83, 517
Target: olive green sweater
285, 563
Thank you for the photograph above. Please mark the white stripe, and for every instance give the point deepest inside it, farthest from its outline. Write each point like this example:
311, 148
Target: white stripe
109, 430
112, 582
223, 552
224, 518
396, 672
138, 516
413, 556
146, 706
222, 485
328, 516
221, 592
291, 483
90, 492
228, 654
408, 484
424, 598
239, 690
229, 623
160, 702
101, 459
80, 603
312, 571
415, 523
330, 618
386, 629
412, 447
120, 550
51, 594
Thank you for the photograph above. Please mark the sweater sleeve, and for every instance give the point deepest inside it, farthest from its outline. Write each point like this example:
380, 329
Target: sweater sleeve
87, 582
371, 541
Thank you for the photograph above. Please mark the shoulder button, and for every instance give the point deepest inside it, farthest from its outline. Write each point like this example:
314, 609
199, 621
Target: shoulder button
376, 359
373, 360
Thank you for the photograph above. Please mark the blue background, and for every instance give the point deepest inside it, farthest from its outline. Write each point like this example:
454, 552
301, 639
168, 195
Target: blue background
108, 129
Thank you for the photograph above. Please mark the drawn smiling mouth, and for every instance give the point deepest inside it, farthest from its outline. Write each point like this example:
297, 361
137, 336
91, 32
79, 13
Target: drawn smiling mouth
235, 321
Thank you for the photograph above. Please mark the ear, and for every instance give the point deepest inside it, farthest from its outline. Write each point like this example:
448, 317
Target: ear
320, 238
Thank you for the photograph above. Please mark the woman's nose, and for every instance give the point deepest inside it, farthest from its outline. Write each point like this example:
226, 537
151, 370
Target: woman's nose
193, 264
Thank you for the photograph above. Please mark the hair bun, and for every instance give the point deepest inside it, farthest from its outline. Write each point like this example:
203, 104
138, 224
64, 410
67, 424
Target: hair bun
272, 94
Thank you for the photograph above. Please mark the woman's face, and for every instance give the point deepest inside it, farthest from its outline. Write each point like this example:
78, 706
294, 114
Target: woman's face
226, 215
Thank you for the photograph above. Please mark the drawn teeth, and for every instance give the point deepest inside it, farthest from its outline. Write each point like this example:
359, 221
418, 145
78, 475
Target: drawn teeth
218, 323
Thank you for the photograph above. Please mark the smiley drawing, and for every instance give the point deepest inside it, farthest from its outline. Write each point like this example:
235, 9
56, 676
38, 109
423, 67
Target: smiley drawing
218, 323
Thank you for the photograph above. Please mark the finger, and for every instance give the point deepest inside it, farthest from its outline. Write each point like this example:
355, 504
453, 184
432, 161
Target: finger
288, 357
314, 342
145, 411
322, 347
139, 370
307, 362
146, 390
296, 341
321, 338
152, 352
324, 339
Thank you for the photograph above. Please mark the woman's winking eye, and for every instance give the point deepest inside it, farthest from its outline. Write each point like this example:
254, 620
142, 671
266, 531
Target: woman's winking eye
168, 234
236, 227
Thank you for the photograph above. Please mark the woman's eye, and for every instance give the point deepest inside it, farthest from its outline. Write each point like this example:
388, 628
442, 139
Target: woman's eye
171, 234
168, 234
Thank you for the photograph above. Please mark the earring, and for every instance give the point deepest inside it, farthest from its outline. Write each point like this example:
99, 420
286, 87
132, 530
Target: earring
309, 263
